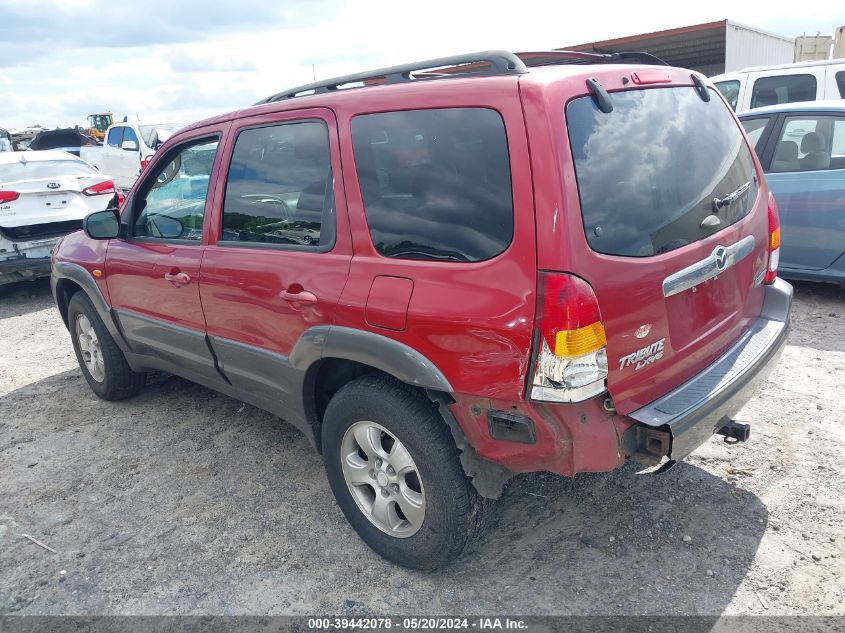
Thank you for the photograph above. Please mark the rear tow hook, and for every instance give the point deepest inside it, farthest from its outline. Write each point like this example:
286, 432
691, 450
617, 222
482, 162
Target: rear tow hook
735, 432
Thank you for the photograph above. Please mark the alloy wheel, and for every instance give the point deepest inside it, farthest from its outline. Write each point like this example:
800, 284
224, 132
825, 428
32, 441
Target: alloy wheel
89, 347
383, 479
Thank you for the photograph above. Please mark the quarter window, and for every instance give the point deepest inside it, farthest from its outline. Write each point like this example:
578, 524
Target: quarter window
729, 90
754, 129
436, 183
279, 187
837, 150
783, 89
173, 206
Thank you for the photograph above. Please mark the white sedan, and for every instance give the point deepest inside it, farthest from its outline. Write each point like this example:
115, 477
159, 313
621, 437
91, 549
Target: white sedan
43, 196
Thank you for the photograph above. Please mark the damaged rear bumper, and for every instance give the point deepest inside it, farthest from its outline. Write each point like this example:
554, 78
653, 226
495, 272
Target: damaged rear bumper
31, 260
682, 420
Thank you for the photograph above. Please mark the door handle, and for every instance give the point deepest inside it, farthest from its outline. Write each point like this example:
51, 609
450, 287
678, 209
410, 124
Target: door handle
303, 297
178, 279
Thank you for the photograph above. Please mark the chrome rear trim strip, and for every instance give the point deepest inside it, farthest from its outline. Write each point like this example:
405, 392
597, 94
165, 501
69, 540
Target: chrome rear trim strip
722, 258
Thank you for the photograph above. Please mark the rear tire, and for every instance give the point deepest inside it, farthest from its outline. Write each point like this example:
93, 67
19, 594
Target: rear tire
100, 359
420, 514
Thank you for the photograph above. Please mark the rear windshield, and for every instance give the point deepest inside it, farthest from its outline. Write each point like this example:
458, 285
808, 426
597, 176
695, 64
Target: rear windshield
31, 170
650, 171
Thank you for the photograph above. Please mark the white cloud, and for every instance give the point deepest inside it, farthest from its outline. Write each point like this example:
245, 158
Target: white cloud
187, 60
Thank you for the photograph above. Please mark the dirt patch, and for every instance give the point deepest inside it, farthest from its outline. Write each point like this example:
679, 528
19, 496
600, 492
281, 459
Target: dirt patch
183, 501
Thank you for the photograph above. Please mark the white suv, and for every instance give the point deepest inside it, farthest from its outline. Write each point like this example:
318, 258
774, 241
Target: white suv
785, 83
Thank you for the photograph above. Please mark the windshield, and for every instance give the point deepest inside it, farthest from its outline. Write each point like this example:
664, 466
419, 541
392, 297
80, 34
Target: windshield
31, 170
156, 134
653, 171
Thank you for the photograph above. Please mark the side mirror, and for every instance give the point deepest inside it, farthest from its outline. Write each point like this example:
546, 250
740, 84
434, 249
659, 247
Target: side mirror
129, 146
166, 227
102, 225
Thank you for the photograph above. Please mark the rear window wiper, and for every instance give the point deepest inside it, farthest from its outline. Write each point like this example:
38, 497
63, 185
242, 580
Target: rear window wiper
718, 203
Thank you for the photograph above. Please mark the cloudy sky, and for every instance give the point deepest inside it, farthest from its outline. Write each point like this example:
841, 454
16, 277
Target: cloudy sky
181, 60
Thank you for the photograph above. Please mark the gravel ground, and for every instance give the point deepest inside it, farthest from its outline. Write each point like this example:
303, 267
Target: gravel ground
183, 501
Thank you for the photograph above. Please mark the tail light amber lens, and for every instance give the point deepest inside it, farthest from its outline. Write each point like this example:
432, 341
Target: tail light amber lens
571, 359
773, 244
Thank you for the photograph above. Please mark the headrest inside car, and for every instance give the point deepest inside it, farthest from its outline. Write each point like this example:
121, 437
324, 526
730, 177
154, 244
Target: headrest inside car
813, 142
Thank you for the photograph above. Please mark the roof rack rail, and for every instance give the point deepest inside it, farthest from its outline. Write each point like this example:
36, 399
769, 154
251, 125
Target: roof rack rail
483, 63
551, 58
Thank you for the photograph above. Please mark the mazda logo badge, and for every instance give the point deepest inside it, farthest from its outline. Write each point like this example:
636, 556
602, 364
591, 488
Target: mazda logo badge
53, 185
720, 254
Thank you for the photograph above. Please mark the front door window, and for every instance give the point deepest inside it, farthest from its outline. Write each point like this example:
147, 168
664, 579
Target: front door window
173, 207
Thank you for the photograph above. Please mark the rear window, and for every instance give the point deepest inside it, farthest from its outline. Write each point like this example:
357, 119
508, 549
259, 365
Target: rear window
649, 170
31, 170
436, 183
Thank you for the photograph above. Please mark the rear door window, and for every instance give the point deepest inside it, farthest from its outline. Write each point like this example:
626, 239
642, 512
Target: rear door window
810, 143
783, 89
648, 171
436, 183
279, 188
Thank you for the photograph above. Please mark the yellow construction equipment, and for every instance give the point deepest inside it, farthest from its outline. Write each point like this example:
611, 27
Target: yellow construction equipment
98, 124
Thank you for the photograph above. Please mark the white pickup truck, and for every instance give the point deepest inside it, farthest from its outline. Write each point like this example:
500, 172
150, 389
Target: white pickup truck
126, 148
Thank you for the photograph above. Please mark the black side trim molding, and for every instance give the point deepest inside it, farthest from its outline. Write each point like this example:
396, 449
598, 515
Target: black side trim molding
381, 352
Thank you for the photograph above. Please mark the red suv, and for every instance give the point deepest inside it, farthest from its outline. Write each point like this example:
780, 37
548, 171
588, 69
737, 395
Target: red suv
449, 272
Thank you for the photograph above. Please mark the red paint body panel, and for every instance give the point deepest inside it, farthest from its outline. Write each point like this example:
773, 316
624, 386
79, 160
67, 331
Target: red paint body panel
135, 270
629, 289
570, 438
135, 274
387, 303
473, 321
78, 249
240, 285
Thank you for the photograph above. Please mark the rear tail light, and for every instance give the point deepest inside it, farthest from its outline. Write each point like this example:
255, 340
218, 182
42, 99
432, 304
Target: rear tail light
8, 196
571, 363
101, 188
773, 244
146, 160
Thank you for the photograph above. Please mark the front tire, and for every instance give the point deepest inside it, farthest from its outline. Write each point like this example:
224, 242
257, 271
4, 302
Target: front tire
100, 359
396, 474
